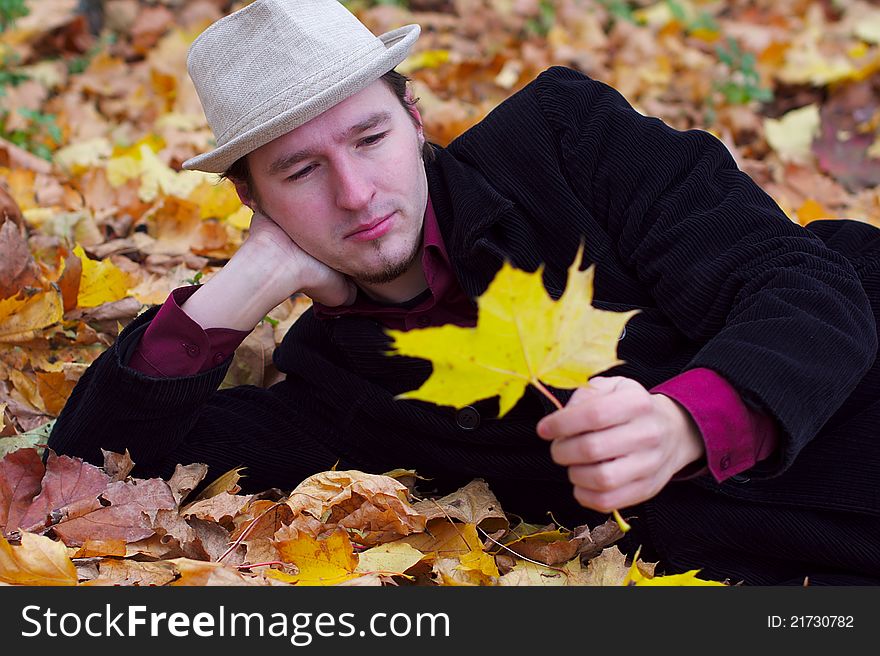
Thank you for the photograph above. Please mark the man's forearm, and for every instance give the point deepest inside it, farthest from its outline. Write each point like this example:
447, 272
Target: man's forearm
238, 296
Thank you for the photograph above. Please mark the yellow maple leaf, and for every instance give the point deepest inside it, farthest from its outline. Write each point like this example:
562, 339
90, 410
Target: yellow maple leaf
320, 562
636, 577
38, 560
101, 281
156, 177
22, 316
522, 336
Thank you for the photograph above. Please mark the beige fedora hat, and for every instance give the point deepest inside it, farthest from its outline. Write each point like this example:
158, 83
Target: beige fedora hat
273, 65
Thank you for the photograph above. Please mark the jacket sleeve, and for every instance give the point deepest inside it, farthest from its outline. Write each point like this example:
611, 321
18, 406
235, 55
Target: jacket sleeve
781, 317
165, 421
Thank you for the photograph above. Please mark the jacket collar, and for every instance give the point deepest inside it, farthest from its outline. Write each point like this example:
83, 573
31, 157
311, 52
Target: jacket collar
467, 208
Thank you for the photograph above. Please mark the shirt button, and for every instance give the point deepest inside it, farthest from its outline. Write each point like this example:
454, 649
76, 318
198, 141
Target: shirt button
725, 462
467, 418
192, 350
422, 321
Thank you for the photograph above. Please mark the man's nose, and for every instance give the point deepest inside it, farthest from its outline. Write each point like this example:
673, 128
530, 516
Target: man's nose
354, 186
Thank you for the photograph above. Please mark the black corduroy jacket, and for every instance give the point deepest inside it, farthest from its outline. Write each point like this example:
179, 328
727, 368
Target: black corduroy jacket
722, 277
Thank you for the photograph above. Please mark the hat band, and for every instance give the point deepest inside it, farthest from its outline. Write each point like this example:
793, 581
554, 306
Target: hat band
255, 116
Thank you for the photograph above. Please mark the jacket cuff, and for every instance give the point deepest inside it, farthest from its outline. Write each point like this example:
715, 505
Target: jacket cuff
174, 345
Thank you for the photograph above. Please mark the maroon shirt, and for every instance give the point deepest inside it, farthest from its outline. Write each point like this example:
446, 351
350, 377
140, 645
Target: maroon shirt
736, 437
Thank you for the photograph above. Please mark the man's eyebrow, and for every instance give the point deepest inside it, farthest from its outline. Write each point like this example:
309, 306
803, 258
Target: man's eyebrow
288, 160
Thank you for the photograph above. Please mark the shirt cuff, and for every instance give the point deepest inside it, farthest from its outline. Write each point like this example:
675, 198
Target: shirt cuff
736, 436
174, 345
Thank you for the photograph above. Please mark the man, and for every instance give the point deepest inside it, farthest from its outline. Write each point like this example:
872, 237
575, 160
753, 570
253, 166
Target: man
739, 433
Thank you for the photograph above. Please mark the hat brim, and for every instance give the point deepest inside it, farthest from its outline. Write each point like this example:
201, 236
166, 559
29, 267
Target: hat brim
397, 45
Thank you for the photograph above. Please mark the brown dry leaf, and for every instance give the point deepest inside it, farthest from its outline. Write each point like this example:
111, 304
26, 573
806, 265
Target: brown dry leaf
472, 504
37, 560
123, 511
114, 571
221, 508
549, 547
21, 473
117, 465
185, 479
252, 361
608, 568
195, 572
100, 549
17, 266
593, 541
374, 508
66, 481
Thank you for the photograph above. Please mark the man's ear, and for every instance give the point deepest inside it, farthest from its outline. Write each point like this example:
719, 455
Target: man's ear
414, 112
244, 194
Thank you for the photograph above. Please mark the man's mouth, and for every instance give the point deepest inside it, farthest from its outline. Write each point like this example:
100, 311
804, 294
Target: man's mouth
373, 229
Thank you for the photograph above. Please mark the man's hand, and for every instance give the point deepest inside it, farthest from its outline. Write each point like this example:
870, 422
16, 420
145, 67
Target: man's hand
266, 269
298, 271
621, 443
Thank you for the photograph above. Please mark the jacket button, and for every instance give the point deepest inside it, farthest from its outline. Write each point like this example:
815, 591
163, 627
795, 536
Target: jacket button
725, 462
622, 335
423, 321
192, 350
740, 478
467, 418
219, 357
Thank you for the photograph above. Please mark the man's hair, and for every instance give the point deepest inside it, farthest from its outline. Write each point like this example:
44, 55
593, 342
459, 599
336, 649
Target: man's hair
240, 172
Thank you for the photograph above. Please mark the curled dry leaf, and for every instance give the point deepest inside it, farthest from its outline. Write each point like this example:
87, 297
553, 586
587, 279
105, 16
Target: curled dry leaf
375, 507
472, 504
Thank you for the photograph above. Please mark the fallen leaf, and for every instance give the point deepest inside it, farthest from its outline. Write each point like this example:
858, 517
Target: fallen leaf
101, 281
792, 135
121, 512
443, 538
227, 482
117, 465
131, 572
185, 479
374, 507
37, 560
389, 558
21, 473
472, 504
66, 481
320, 562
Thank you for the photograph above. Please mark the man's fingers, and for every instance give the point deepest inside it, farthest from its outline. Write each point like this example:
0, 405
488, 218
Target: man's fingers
606, 502
592, 412
614, 474
597, 446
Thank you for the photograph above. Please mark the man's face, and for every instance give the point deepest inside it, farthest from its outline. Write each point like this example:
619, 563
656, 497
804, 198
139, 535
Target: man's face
349, 186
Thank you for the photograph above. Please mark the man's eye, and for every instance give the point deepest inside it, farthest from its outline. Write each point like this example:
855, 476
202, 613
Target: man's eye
373, 138
301, 173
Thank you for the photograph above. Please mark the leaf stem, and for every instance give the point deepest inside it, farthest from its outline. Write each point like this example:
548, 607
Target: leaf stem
621, 522
543, 390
